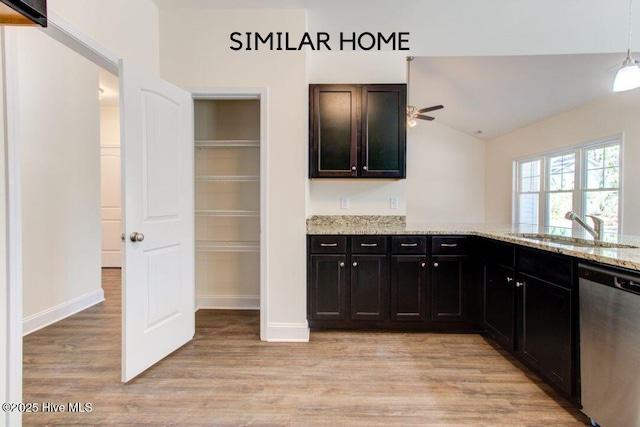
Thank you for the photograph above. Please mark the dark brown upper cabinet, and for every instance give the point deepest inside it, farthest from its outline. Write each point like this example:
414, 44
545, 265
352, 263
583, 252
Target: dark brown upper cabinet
357, 131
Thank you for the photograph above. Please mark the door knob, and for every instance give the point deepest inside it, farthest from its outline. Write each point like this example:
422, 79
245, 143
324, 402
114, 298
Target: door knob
341, 264
353, 168
435, 264
519, 284
136, 237
355, 264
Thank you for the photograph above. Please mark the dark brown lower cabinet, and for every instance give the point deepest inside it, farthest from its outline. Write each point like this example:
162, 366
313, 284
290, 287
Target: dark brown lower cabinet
448, 287
499, 303
327, 283
546, 338
409, 288
369, 287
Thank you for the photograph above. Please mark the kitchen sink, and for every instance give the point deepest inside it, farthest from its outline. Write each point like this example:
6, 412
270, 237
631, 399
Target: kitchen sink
572, 241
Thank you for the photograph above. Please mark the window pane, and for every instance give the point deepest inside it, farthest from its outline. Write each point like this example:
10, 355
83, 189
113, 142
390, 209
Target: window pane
611, 177
594, 179
605, 205
559, 205
562, 172
612, 156
530, 176
595, 158
528, 209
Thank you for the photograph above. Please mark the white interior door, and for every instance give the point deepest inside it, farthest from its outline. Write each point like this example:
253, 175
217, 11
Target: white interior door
158, 302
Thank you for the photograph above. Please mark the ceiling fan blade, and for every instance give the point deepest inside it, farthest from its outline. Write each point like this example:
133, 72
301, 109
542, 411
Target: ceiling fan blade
423, 117
426, 110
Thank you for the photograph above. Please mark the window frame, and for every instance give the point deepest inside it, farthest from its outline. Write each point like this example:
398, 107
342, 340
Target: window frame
580, 180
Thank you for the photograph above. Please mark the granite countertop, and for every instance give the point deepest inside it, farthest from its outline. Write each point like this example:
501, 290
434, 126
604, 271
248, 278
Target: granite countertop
628, 257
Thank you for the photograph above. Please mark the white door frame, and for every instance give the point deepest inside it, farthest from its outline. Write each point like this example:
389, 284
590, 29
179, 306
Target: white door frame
261, 94
76, 40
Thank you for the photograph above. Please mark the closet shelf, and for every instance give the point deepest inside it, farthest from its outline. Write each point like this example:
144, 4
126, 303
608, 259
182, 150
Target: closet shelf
216, 246
222, 143
221, 212
227, 178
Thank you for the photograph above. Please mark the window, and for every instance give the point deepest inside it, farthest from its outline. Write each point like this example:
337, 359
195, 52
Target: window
584, 179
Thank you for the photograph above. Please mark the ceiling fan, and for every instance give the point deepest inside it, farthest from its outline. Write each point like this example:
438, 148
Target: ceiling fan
412, 112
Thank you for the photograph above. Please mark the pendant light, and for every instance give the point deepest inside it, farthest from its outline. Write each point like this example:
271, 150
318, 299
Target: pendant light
628, 76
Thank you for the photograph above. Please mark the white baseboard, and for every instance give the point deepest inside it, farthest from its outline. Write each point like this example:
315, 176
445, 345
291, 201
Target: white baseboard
228, 302
54, 314
288, 332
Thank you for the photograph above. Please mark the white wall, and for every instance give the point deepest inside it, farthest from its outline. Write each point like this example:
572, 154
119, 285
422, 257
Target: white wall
197, 55
59, 126
445, 175
614, 114
127, 28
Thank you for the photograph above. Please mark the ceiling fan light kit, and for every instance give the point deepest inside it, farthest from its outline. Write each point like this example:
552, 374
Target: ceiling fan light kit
628, 76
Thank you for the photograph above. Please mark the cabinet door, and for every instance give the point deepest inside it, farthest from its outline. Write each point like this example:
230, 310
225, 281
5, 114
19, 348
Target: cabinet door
383, 144
408, 288
327, 287
546, 329
369, 287
333, 131
499, 302
448, 287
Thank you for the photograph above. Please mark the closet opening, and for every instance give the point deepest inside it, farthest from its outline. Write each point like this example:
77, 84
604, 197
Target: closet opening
227, 203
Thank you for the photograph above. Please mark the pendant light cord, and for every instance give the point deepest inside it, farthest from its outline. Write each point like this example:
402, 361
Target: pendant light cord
630, 20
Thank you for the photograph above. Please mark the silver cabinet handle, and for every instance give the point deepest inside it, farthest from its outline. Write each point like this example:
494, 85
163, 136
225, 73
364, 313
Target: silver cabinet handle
509, 279
364, 168
136, 237
353, 167
341, 264
520, 284
329, 245
435, 264
408, 245
368, 245
355, 264
448, 245
423, 264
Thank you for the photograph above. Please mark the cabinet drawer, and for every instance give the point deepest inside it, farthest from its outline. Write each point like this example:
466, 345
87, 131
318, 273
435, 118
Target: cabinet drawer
328, 244
556, 269
449, 245
409, 245
368, 244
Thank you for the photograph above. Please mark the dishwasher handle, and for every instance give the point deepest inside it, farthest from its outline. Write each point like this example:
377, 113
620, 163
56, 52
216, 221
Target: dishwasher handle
610, 277
627, 284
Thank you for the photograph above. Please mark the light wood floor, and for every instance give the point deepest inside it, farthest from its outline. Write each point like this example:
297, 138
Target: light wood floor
226, 376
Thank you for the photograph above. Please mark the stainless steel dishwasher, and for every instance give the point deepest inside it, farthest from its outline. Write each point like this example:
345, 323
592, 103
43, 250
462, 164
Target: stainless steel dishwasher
610, 345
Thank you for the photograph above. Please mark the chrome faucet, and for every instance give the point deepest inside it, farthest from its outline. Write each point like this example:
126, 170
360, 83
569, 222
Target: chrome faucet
596, 231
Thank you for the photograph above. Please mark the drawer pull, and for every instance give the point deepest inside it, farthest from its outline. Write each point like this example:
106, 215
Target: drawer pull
328, 245
368, 245
408, 245
448, 245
